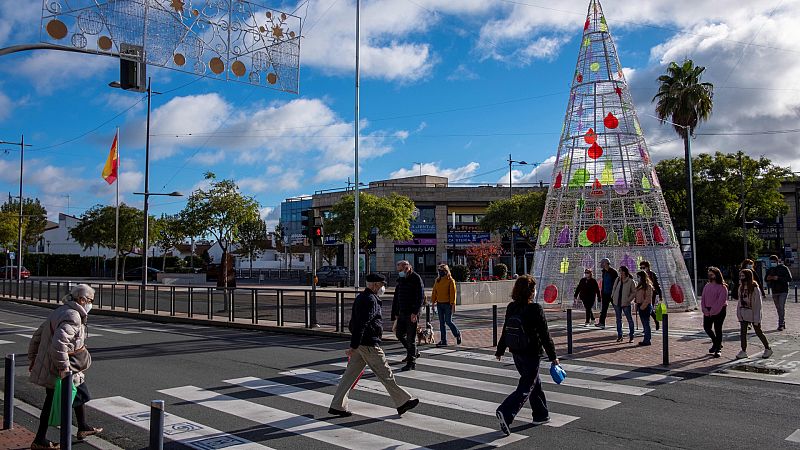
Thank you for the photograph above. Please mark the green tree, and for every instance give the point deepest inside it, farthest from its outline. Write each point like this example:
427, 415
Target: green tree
329, 253
389, 216
34, 221
718, 201
96, 228
170, 232
220, 211
522, 210
253, 239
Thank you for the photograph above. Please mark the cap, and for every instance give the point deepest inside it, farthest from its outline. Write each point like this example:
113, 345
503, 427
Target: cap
605, 260
375, 278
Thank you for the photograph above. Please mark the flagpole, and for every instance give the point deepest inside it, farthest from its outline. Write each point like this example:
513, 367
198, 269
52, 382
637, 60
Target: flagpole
116, 225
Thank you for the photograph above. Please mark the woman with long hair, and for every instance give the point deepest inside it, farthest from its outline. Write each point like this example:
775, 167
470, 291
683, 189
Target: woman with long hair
623, 295
588, 290
748, 312
643, 299
713, 303
525, 333
444, 299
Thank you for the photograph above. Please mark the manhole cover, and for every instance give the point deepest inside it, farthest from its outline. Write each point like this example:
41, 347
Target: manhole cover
757, 369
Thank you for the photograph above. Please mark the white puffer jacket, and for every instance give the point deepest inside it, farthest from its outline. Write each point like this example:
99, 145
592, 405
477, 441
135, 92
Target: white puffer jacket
63, 332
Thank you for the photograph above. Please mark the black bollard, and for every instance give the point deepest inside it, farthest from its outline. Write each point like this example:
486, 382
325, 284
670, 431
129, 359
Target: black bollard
156, 425
795, 292
494, 325
665, 332
427, 313
66, 411
569, 331
8, 394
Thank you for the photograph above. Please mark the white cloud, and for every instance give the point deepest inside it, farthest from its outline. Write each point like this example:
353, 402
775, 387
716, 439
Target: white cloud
462, 72
332, 172
434, 169
20, 22
210, 158
6, 106
542, 172
53, 71
285, 180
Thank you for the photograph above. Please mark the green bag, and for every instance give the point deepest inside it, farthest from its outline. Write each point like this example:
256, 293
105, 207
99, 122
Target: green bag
55, 410
661, 309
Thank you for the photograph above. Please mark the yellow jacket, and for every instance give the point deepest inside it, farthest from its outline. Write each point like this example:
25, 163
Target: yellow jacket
444, 291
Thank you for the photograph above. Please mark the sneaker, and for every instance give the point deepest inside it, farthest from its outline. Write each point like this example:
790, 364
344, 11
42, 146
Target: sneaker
716, 354
340, 413
781, 327
619, 339
503, 424
83, 434
411, 404
541, 421
741, 355
767, 353
586, 324
713, 349
458, 340
630, 339
45, 445
601, 326
408, 366
441, 344
644, 344
657, 325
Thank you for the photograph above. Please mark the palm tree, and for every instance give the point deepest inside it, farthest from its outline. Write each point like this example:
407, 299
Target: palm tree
684, 101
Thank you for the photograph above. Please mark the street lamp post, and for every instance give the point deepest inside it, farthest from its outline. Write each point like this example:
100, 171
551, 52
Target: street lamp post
147, 220
511, 195
47, 267
22, 146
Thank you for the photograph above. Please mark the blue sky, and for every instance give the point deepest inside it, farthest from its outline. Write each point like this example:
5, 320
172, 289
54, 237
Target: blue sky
453, 85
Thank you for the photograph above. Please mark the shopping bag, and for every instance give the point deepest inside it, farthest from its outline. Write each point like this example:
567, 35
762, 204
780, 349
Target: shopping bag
558, 373
661, 309
55, 409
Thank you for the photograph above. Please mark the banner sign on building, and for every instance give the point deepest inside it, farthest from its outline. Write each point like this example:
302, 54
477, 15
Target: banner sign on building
467, 237
414, 248
422, 241
423, 228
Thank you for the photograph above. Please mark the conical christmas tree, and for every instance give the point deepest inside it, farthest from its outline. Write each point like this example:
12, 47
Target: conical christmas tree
604, 200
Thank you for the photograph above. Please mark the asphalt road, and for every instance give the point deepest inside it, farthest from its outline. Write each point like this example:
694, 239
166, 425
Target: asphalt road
246, 389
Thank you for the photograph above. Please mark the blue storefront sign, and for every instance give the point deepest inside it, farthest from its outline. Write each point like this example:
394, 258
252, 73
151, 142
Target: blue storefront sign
423, 228
467, 237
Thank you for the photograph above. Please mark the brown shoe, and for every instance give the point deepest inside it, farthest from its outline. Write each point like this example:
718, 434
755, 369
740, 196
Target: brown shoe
46, 446
83, 434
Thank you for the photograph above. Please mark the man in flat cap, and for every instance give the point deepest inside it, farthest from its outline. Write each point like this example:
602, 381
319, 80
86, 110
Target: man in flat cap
366, 327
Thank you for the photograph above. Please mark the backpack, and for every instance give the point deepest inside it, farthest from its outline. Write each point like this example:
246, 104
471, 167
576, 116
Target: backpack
516, 337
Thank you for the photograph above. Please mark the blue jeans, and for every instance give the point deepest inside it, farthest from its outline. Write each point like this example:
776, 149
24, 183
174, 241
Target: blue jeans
644, 315
618, 310
529, 388
445, 311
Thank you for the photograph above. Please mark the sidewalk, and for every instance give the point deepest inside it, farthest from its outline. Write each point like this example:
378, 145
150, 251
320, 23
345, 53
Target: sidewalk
16, 438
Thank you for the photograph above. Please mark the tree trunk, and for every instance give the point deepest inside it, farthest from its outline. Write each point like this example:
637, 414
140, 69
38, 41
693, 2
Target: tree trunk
163, 261
122, 272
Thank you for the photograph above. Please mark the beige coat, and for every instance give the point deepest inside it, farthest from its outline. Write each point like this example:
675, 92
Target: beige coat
63, 332
644, 297
749, 308
628, 289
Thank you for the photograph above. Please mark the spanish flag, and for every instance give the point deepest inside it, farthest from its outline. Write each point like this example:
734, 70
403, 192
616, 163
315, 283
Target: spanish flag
112, 163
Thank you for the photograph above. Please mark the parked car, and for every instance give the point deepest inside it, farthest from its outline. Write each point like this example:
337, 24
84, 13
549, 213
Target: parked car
136, 274
10, 272
332, 275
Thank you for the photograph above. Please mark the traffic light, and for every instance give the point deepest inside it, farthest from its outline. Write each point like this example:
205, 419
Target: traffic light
317, 234
307, 222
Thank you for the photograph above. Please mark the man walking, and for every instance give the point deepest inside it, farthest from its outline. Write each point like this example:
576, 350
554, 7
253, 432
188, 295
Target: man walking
408, 298
609, 275
645, 267
366, 328
778, 277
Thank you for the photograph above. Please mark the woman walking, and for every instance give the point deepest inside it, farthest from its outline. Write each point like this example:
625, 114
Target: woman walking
526, 335
622, 296
444, 299
643, 298
587, 291
713, 303
748, 312
57, 346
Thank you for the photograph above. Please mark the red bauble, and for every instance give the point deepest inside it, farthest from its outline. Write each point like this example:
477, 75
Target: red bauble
590, 137
550, 293
596, 234
557, 184
597, 189
618, 91
580, 78
586, 25
640, 239
595, 151
658, 235
611, 121
676, 292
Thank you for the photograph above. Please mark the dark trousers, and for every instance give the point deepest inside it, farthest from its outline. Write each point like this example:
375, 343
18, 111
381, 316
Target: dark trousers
644, 315
588, 304
529, 388
716, 333
407, 335
81, 397
759, 333
604, 308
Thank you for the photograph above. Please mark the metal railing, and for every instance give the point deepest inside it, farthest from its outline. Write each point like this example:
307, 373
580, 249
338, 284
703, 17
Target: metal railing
276, 306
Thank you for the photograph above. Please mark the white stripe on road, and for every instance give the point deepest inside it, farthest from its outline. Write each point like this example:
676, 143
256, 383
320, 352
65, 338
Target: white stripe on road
26, 336
794, 437
486, 386
315, 429
178, 429
588, 370
457, 402
17, 326
6, 342
413, 420
508, 373
113, 330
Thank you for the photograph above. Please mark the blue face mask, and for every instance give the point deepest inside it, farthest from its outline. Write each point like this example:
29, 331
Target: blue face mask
401, 274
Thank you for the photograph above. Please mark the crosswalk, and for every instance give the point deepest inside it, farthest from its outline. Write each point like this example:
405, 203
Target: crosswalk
459, 393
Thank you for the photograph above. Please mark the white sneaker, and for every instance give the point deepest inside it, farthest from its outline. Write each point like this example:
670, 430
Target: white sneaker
767, 353
741, 355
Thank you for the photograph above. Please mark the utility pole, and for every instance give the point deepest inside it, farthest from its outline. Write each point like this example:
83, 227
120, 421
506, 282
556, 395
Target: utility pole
744, 207
22, 146
357, 217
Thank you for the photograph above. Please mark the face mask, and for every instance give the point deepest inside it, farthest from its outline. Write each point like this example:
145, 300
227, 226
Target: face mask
750, 266
741, 278
442, 273
401, 274
87, 307
586, 275
381, 291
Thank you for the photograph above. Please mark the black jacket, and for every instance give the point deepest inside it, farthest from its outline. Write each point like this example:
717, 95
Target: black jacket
535, 325
408, 295
587, 289
781, 285
366, 323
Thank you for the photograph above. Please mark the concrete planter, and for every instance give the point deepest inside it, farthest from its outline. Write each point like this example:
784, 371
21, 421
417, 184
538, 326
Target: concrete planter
484, 292
181, 278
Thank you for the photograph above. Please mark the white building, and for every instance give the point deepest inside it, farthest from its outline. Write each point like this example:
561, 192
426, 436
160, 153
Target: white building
56, 240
